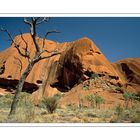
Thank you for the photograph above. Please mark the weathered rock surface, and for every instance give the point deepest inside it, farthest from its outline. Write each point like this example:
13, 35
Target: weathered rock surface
129, 72
78, 61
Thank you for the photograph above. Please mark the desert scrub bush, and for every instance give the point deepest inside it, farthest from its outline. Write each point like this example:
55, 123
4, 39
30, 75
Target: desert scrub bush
129, 97
95, 100
135, 119
85, 87
42, 102
6, 100
26, 109
91, 99
58, 96
118, 88
51, 103
119, 110
94, 76
98, 100
72, 107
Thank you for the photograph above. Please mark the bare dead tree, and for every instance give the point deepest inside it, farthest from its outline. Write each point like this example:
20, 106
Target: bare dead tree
24, 52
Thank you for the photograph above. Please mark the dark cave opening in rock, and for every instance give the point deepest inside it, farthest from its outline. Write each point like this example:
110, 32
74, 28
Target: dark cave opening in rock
9, 77
39, 82
11, 84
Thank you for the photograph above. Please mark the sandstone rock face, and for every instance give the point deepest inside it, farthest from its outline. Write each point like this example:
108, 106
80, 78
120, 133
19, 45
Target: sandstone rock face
12, 64
129, 72
78, 61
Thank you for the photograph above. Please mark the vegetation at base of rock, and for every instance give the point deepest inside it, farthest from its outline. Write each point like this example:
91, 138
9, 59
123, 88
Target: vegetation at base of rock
85, 87
81, 101
129, 97
58, 95
72, 107
94, 76
51, 103
27, 112
119, 109
91, 100
5, 101
99, 100
95, 100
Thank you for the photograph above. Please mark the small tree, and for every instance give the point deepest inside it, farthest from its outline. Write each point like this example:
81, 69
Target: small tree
129, 97
32, 60
119, 110
98, 100
81, 101
91, 99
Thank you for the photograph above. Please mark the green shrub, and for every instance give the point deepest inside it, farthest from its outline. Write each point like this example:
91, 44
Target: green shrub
135, 119
118, 88
58, 96
119, 110
6, 100
95, 100
86, 87
94, 76
129, 97
72, 107
98, 100
91, 99
50, 103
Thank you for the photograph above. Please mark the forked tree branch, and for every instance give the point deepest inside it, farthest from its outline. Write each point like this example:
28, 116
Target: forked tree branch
33, 32
53, 54
13, 41
27, 53
45, 19
26, 21
48, 33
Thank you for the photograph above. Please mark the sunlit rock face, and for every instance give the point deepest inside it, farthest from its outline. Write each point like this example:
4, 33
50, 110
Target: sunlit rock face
77, 62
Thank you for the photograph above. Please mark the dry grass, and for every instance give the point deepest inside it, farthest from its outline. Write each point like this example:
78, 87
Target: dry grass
28, 113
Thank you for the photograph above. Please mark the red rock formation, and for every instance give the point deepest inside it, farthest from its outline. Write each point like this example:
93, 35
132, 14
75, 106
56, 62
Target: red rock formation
129, 72
78, 61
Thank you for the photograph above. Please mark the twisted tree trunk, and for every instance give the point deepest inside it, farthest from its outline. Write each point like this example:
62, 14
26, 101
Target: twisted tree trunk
39, 50
19, 88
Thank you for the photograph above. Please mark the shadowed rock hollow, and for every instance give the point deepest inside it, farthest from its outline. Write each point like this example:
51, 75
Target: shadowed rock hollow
79, 61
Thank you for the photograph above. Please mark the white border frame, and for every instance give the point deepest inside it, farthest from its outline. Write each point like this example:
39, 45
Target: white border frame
70, 124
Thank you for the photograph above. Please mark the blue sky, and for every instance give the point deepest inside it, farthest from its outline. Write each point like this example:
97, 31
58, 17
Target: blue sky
116, 37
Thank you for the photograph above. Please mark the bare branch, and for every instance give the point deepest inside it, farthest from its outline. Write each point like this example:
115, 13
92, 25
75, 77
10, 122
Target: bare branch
13, 41
26, 21
47, 33
45, 19
33, 32
54, 51
27, 53
37, 19
34, 22
53, 54
8, 33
